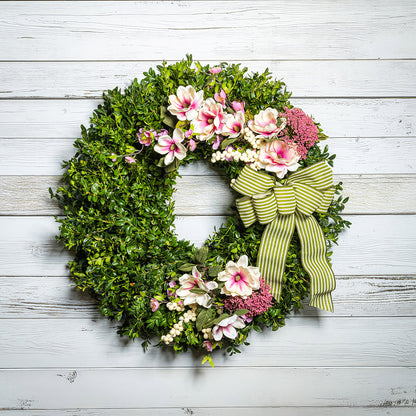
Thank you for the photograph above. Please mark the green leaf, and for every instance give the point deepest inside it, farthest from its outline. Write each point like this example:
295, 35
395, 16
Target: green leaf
173, 166
214, 270
228, 142
201, 255
198, 291
208, 359
161, 162
240, 312
187, 267
216, 321
204, 316
166, 118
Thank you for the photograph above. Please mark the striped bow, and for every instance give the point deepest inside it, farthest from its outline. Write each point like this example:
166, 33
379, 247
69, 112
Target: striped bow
282, 207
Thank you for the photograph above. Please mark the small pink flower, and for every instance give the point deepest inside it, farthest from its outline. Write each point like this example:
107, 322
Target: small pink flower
247, 318
208, 346
172, 147
227, 327
170, 292
145, 137
192, 145
189, 133
210, 120
216, 143
130, 159
154, 304
114, 157
238, 106
162, 132
186, 102
215, 70
278, 157
172, 283
221, 97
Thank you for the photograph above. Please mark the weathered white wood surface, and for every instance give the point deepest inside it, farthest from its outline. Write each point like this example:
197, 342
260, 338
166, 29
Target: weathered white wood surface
351, 64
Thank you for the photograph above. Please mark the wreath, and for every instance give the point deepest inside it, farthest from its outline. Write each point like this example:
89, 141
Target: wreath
256, 268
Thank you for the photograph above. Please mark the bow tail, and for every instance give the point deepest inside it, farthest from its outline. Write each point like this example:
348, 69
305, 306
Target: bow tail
315, 262
273, 250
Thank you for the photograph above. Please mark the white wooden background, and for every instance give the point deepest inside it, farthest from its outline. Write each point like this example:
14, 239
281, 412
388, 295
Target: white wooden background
349, 63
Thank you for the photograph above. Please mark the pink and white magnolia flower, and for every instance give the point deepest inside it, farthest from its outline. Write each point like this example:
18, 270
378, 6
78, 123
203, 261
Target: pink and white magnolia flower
221, 97
227, 327
195, 281
172, 147
210, 120
234, 124
240, 278
267, 123
145, 136
185, 104
278, 157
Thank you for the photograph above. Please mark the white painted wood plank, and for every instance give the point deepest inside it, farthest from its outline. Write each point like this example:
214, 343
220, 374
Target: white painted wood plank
369, 194
56, 297
375, 245
386, 410
345, 78
341, 342
170, 387
55, 119
169, 30
354, 155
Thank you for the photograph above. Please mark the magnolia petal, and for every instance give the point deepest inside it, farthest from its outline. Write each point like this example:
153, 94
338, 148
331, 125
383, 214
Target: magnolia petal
217, 333
169, 158
230, 332
242, 261
239, 323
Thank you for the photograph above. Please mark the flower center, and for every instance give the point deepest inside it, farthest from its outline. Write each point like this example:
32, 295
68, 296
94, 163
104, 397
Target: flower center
210, 121
237, 277
237, 128
173, 146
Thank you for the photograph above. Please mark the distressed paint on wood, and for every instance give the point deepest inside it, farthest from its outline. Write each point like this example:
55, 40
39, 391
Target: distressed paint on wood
339, 117
170, 387
110, 30
343, 78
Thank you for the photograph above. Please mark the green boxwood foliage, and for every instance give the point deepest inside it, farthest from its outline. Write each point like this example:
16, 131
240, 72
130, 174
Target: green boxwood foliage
119, 217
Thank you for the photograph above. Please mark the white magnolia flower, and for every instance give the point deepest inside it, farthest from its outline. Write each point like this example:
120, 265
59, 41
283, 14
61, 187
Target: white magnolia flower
172, 147
195, 281
267, 123
227, 327
240, 278
186, 102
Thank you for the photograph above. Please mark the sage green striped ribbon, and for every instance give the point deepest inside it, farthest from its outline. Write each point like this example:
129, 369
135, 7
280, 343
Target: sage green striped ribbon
283, 207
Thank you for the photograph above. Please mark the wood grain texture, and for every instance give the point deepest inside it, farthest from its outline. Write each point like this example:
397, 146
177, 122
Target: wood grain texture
339, 117
375, 245
344, 78
332, 342
369, 194
354, 155
186, 387
57, 298
385, 409
110, 31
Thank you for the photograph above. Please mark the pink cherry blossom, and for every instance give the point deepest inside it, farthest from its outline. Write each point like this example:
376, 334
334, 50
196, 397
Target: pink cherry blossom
240, 278
189, 133
215, 70
192, 145
227, 327
217, 142
208, 346
154, 305
267, 123
172, 283
145, 137
221, 97
185, 104
172, 147
130, 159
278, 157
234, 124
210, 120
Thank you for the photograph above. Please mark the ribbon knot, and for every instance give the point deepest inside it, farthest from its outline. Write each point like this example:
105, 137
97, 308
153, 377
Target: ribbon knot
283, 207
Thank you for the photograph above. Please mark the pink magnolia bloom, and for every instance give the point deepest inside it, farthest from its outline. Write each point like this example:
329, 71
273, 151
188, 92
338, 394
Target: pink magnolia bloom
221, 97
267, 123
278, 157
154, 304
192, 145
195, 281
234, 124
171, 146
238, 106
210, 120
185, 103
240, 278
227, 327
130, 159
208, 346
215, 70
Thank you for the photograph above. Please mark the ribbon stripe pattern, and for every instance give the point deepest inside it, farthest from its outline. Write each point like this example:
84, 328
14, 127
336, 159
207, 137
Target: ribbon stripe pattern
283, 207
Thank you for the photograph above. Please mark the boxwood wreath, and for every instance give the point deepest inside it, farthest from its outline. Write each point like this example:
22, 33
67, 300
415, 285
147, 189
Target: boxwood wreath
117, 192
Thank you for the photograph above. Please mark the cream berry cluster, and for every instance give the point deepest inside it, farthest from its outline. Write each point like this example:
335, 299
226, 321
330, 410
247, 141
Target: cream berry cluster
188, 316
